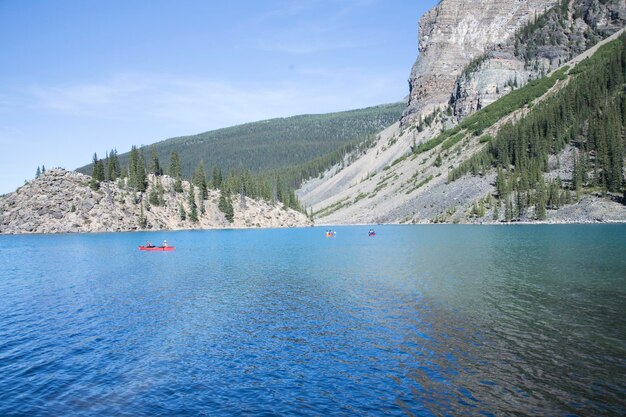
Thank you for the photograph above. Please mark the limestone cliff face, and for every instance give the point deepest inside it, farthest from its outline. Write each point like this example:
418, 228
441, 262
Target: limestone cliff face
61, 202
545, 43
454, 33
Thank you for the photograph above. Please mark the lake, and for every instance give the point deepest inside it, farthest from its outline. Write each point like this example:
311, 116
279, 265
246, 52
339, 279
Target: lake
419, 320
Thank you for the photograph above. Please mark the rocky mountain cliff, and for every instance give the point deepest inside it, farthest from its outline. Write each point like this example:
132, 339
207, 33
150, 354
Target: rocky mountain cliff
453, 34
61, 201
540, 46
471, 56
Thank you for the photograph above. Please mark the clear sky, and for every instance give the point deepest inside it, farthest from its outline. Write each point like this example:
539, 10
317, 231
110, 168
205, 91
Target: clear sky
85, 76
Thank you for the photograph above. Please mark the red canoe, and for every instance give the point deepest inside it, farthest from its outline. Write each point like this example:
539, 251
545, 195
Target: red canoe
156, 248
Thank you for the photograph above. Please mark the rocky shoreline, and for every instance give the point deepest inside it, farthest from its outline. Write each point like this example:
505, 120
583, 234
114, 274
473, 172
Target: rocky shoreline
61, 201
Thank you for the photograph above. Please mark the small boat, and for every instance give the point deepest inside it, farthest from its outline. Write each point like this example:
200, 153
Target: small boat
157, 248
371, 233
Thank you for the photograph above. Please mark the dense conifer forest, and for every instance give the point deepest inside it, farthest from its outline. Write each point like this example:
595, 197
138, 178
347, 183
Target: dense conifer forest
589, 114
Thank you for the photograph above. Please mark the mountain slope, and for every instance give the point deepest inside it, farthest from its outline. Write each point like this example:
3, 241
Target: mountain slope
392, 184
273, 144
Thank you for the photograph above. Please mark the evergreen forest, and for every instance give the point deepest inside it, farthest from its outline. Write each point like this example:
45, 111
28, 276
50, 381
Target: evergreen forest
588, 114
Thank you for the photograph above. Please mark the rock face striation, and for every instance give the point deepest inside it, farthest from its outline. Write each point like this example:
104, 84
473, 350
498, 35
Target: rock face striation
474, 51
453, 34
539, 47
61, 201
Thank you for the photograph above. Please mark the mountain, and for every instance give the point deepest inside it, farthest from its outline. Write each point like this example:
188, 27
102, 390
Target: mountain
62, 201
497, 129
454, 33
276, 143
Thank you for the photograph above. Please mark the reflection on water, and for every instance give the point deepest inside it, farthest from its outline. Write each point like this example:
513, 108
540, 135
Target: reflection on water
419, 320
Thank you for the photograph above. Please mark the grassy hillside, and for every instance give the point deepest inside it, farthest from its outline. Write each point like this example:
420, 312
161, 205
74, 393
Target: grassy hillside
273, 144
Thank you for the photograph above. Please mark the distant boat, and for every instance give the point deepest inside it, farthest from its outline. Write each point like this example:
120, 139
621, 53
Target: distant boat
330, 233
157, 248
371, 233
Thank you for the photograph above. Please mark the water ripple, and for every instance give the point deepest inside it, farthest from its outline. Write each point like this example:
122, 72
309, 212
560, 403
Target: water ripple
522, 321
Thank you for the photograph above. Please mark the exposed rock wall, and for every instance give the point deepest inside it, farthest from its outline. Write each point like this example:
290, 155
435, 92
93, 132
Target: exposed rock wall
454, 33
61, 201
543, 45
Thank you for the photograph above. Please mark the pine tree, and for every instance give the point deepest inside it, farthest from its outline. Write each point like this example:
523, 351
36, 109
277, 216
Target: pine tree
155, 166
199, 180
226, 206
38, 172
154, 196
508, 211
141, 174
133, 161
174, 168
43, 169
191, 200
577, 177
501, 183
216, 178
136, 170
97, 173
242, 198
113, 168
106, 166
540, 206
438, 160
174, 171
181, 212
143, 222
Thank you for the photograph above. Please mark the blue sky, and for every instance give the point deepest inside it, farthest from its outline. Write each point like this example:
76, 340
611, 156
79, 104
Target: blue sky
79, 77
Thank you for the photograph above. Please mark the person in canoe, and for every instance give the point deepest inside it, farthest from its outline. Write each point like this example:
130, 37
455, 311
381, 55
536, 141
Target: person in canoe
149, 245
164, 244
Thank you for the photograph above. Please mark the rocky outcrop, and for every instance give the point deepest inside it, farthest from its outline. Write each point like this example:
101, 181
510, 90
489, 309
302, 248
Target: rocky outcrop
453, 34
61, 201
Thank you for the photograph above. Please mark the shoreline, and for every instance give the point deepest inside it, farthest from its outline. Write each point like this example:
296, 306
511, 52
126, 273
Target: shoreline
523, 223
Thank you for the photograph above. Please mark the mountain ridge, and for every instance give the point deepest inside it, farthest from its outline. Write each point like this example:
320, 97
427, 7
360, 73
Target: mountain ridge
273, 144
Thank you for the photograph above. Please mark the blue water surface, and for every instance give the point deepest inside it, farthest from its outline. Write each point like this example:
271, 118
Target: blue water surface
418, 320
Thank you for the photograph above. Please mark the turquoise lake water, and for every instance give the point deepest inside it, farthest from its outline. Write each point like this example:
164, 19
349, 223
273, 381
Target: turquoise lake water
418, 320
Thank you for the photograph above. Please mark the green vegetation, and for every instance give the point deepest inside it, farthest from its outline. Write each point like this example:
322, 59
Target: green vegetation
267, 159
556, 30
589, 113
226, 206
136, 170
450, 142
481, 120
420, 184
191, 201
113, 167
326, 211
276, 144
97, 173
155, 166
174, 171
